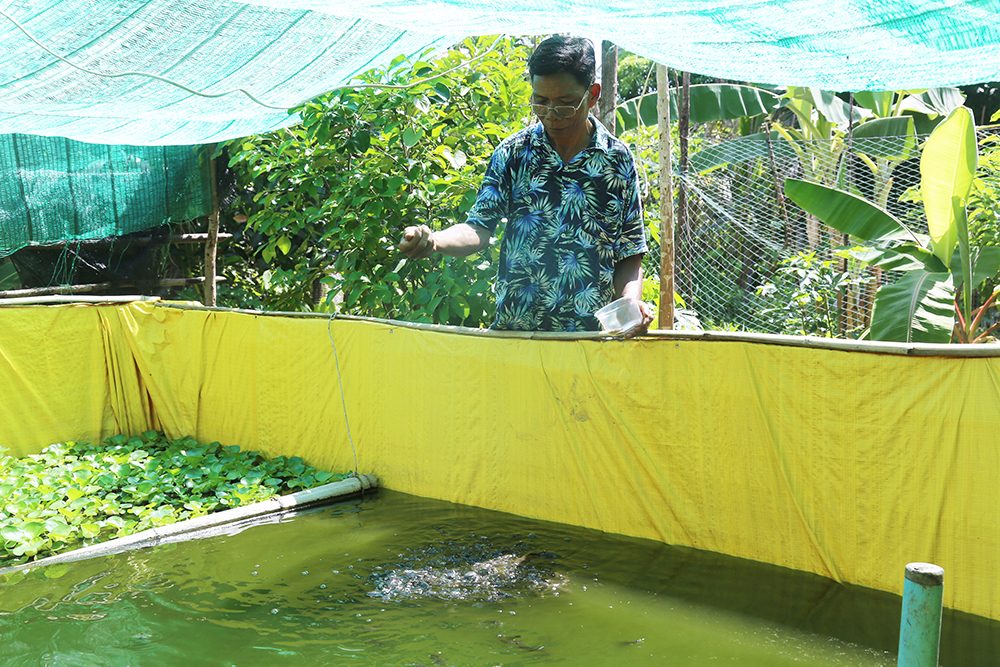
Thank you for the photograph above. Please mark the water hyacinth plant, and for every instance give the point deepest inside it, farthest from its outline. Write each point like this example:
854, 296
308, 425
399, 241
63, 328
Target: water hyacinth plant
74, 493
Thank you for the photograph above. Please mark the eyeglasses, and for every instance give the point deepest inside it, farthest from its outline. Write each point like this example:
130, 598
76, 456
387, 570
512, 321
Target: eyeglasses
543, 110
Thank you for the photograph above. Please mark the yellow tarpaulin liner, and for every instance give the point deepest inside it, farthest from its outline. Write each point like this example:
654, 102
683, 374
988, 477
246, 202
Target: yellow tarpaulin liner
845, 464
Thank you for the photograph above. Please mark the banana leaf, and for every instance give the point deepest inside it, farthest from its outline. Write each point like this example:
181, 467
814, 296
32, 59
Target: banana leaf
709, 102
879, 102
917, 308
844, 211
941, 101
900, 257
894, 138
831, 107
985, 265
947, 167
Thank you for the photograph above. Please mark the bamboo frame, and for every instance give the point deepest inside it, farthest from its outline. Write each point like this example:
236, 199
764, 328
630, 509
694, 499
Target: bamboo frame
94, 287
875, 347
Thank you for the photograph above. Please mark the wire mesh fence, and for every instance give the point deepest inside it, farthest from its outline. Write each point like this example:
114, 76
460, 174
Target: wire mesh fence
747, 258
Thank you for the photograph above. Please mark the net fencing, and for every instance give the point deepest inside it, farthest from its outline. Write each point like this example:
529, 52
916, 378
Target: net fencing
747, 258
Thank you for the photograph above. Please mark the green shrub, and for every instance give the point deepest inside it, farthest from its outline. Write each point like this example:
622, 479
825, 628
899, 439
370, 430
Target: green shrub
330, 197
802, 297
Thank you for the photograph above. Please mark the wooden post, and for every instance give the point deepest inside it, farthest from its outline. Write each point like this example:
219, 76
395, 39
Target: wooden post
666, 310
609, 86
212, 244
683, 222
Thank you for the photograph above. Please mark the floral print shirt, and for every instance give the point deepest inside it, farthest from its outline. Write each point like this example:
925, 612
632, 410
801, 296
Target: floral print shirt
567, 225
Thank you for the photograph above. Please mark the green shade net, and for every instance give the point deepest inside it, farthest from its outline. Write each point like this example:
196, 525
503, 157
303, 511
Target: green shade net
286, 51
280, 56
170, 73
58, 190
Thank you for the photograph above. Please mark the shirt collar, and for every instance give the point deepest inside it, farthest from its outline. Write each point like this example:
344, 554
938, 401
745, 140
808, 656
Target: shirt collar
600, 139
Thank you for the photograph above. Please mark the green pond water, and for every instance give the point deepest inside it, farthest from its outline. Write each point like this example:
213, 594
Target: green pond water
391, 579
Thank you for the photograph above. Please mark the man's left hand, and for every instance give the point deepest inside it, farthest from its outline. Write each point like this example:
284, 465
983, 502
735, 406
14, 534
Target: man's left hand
647, 319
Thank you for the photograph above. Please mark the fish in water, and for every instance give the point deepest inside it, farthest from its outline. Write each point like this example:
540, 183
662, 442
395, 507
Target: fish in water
467, 572
515, 640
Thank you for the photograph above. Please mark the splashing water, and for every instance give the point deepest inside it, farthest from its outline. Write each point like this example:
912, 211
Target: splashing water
472, 572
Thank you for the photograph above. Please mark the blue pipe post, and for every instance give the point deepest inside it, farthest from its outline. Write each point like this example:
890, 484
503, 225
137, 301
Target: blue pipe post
920, 622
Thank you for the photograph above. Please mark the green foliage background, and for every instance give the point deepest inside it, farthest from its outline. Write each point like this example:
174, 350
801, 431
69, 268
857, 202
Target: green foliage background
329, 198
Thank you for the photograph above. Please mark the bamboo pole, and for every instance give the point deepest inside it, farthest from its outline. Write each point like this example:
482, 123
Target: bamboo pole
212, 243
812, 342
135, 241
666, 310
96, 287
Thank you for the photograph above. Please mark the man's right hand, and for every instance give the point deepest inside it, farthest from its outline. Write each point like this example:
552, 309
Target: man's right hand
418, 242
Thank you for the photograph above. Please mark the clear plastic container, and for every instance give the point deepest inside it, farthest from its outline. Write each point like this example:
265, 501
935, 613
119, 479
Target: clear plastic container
619, 316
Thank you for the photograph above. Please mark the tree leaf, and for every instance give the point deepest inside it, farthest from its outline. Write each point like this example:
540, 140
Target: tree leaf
284, 244
362, 140
411, 137
442, 90
919, 307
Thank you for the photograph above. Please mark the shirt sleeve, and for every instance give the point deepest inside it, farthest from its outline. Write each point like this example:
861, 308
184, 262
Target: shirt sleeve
493, 200
632, 240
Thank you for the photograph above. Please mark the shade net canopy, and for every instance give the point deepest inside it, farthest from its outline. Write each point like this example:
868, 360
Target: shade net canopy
66, 66
280, 56
56, 189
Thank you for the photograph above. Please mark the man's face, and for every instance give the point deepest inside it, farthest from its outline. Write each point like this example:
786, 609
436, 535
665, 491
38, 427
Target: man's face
563, 92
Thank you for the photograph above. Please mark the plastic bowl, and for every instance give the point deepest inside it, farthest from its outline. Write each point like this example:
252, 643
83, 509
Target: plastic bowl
619, 316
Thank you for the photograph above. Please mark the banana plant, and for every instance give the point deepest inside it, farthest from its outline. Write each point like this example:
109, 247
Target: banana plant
921, 306
709, 102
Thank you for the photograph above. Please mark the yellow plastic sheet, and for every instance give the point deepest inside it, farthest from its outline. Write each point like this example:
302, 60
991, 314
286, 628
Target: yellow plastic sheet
55, 377
845, 464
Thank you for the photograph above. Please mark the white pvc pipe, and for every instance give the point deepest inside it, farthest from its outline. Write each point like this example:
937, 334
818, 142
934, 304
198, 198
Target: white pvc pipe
190, 528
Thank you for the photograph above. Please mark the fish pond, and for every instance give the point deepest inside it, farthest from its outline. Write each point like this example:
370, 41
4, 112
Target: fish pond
392, 579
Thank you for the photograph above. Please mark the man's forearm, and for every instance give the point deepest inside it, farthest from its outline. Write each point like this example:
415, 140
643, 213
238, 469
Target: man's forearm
461, 239
628, 278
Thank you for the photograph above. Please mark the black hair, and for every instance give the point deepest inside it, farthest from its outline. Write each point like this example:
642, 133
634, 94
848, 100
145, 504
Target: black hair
559, 53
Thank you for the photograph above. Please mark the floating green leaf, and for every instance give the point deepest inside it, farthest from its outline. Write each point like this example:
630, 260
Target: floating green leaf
73, 493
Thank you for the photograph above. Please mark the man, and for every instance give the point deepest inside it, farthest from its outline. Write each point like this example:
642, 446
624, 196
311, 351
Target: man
569, 193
